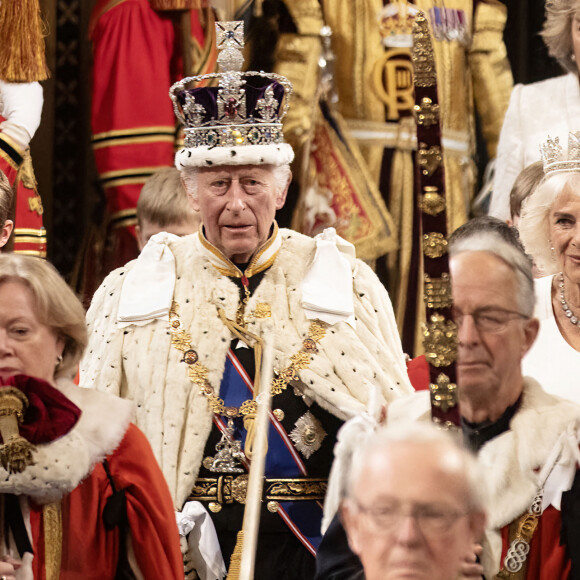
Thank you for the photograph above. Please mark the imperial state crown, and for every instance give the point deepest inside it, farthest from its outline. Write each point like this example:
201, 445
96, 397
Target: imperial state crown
237, 122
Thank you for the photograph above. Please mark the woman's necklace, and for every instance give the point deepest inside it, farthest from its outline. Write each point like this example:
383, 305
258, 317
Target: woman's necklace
567, 311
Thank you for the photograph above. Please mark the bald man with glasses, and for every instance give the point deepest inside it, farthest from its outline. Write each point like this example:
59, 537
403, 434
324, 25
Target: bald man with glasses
526, 440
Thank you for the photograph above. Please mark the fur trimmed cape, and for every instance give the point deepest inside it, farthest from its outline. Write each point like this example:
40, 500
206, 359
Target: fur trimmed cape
511, 462
139, 362
62, 464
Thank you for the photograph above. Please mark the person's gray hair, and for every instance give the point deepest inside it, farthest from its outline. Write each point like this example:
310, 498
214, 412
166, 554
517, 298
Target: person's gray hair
281, 174
488, 234
557, 32
534, 224
422, 433
56, 305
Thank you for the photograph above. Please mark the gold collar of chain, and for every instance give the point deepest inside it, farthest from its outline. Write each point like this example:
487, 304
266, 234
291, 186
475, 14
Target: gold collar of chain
198, 373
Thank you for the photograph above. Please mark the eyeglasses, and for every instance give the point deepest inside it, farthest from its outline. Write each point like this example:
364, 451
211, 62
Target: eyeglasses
431, 519
489, 319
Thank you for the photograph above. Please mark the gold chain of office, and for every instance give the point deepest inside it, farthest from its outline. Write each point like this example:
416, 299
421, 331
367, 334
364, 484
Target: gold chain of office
198, 373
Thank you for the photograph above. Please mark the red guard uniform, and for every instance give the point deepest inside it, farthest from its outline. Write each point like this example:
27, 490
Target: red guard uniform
137, 56
29, 233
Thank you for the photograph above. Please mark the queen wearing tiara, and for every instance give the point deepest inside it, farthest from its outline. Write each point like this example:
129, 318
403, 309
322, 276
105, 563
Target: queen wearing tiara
550, 230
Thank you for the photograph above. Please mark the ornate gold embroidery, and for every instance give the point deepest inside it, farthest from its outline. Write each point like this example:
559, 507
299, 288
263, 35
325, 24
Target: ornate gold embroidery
440, 341
434, 245
422, 54
228, 488
429, 159
431, 202
444, 393
393, 81
26, 174
35, 204
438, 292
427, 113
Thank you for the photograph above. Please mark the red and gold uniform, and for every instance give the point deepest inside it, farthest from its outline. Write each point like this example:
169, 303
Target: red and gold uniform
137, 56
29, 233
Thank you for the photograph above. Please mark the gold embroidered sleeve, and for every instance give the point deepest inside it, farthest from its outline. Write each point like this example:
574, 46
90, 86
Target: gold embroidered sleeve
296, 58
491, 72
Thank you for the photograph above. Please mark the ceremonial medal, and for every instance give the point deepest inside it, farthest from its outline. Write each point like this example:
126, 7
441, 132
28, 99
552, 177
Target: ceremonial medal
229, 456
308, 434
449, 24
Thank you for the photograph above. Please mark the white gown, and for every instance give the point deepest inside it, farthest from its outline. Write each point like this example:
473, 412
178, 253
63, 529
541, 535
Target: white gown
551, 360
536, 111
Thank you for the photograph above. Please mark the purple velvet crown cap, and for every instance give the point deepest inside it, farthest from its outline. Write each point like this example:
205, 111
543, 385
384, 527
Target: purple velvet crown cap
207, 97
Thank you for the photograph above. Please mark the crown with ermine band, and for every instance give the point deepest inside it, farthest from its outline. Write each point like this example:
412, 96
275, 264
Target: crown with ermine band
237, 122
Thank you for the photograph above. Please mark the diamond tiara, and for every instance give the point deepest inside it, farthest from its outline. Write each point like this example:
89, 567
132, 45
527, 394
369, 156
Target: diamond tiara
554, 158
239, 121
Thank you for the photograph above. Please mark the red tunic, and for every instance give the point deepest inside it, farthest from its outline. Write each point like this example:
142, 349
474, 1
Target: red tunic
29, 233
547, 559
137, 57
89, 551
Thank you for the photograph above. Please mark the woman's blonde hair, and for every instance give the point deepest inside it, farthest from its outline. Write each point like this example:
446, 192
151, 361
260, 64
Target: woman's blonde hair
557, 32
56, 305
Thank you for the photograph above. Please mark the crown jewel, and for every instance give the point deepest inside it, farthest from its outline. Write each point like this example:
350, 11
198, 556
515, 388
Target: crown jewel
555, 159
240, 120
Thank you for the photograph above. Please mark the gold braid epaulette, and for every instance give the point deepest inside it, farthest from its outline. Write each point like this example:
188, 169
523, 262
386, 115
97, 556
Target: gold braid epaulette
198, 373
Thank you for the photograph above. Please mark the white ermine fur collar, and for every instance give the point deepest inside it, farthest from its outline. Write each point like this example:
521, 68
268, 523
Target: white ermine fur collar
511, 462
62, 464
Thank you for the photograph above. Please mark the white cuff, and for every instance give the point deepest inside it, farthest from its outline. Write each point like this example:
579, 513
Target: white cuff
194, 521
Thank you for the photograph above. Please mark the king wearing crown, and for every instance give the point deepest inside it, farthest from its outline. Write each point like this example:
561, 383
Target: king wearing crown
180, 331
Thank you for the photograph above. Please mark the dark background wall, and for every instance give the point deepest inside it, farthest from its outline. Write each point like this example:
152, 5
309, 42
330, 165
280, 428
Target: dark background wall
528, 55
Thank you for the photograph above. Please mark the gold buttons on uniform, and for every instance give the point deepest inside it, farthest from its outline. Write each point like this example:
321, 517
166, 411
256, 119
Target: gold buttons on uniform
214, 507
273, 506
